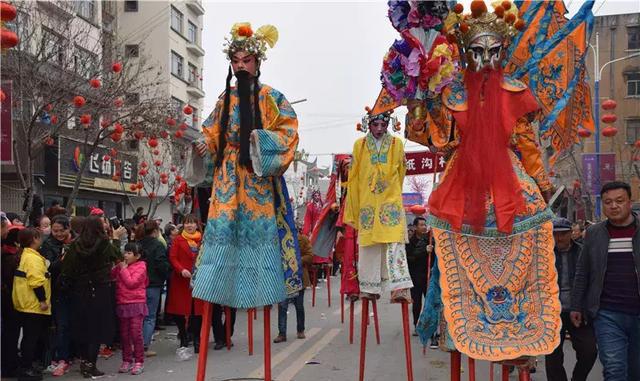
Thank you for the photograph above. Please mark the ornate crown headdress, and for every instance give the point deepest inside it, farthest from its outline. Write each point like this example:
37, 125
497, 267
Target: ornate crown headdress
503, 22
386, 116
243, 38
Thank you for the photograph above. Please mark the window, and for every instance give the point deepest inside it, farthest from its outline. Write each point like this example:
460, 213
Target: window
85, 63
192, 33
176, 20
177, 65
633, 130
131, 6
131, 50
193, 72
633, 34
177, 105
132, 98
53, 47
633, 84
86, 9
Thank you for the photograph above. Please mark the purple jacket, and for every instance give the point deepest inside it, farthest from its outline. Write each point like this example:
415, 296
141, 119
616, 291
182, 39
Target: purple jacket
131, 283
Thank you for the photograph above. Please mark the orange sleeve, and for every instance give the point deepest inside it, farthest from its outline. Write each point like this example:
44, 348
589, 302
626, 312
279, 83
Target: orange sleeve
530, 156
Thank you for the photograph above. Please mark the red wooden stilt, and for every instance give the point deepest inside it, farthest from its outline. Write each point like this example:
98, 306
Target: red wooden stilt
505, 373
250, 329
204, 342
407, 338
472, 369
363, 336
490, 371
351, 313
341, 308
456, 365
375, 320
267, 343
328, 271
227, 326
524, 374
314, 284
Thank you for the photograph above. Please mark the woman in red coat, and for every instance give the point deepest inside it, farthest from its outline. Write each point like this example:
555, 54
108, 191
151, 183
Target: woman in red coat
184, 250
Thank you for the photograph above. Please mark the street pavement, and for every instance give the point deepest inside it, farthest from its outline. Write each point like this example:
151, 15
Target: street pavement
325, 355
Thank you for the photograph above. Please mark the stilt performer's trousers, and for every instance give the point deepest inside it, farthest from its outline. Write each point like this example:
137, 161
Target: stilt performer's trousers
383, 265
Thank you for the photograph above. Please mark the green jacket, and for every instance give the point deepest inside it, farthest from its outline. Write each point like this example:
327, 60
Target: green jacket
84, 265
155, 254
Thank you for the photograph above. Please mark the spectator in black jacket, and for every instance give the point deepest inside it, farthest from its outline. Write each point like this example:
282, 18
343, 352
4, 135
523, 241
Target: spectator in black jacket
418, 249
583, 340
607, 285
158, 269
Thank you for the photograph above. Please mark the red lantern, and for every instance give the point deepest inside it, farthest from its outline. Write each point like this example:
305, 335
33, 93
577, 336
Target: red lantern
143, 164
179, 134
133, 187
95, 83
609, 131
8, 39
2, 96
49, 141
106, 158
142, 172
418, 209
164, 134
576, 184
171, 122
7, 11
54, 119
609, 104
156, 152
164, 180
157, 163
139, 185
609, 118
116, 67
173, 168
153, 142
113, 152
183, 127
48, 107
152, 195
163, 175
115, 178
85, 119
79, 101
118, 102
118, 128
188, 110
178, 178
138, 135
583, 132
105, 123
116, 137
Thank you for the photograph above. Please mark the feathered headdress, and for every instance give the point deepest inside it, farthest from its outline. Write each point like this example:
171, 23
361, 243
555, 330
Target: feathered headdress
243, 38
370, 117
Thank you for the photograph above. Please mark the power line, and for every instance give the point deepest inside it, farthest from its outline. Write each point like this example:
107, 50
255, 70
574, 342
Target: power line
597, 10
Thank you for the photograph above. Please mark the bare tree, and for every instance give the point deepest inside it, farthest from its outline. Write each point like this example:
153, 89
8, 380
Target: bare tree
67, 82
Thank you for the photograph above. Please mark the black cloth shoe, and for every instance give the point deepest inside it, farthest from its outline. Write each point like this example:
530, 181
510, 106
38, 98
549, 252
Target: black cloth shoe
90, 371
219, 346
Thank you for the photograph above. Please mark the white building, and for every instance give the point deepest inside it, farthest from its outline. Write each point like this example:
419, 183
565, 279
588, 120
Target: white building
169, 33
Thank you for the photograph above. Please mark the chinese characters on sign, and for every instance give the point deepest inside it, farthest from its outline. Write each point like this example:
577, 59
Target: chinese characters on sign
425, 162
99, 166
607, 170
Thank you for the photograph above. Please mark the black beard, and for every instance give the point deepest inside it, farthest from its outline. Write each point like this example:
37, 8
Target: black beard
247, 116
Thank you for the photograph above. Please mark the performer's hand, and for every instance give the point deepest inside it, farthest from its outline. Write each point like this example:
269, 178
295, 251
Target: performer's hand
201, 149
576, 318
185, 273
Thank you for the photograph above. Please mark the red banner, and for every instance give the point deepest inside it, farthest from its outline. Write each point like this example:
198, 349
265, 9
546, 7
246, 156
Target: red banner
424, 162
6, 130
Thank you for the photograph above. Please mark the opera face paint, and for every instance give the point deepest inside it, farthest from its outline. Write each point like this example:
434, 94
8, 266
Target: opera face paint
486, 52
378, 128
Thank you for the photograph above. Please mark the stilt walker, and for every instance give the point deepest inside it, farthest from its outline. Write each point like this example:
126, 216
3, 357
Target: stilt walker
479, 89
250, 256
374, 207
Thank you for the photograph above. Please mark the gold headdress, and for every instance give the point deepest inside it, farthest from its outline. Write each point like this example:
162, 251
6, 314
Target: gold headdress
370, 117
503, 22
243, 38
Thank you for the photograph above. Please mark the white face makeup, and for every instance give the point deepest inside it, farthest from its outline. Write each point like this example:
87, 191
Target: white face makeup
486, 52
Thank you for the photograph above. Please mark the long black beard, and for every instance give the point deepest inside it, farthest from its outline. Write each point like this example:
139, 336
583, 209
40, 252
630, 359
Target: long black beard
250, 115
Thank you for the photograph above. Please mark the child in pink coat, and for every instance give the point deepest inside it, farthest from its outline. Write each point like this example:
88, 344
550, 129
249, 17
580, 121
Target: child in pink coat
131, 282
